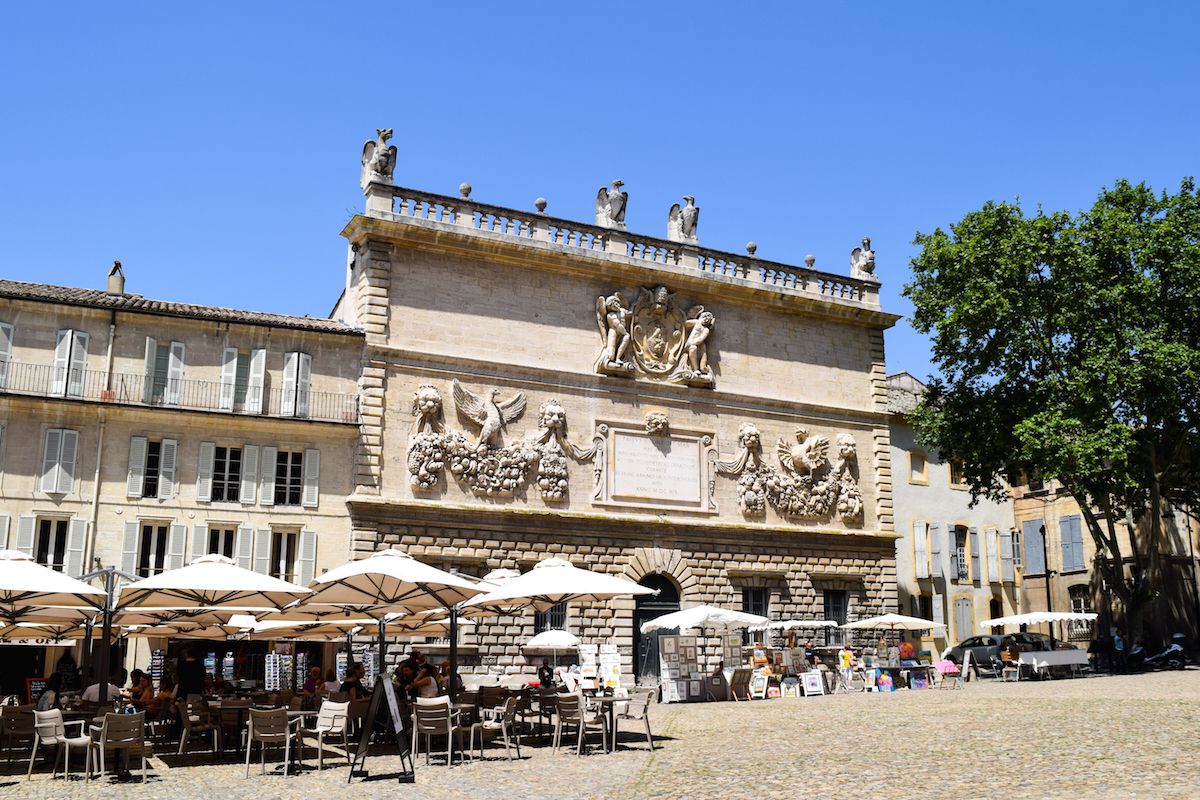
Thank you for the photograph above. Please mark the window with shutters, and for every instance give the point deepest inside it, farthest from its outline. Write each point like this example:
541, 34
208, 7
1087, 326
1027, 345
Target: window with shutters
1081, 603
289, 478
552, 619
59, 453
922, 606
1033, 540
297, 378
152, 549
961, 569
1070, 529
152, 468
70, 363
6, 339
1016, 548
164, 372
958, 476
227, 474
284, 548
837, 608
51, 545
222, 540
242, 379
918, 467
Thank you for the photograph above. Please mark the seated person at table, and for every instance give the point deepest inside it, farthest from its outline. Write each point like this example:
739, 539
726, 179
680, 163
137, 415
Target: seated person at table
49, 699
312, 684
545, 674
353, 685
92, 693
165, 698
140, 690
426, 682
449, 682
403, 677
1011, 654
332, 684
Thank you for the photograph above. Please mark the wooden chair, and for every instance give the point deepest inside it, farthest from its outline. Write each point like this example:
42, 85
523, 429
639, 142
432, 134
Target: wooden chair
432, 716
270, 727
17, 728
119, 732
195, 722
503, 720
50, 729
638, 710
572, 712
332, 719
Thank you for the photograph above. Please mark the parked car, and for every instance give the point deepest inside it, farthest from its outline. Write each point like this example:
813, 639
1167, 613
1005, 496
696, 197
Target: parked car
983, 648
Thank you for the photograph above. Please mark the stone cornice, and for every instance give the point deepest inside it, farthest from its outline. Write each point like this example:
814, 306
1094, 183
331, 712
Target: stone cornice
442, 237
637, 527
552, 379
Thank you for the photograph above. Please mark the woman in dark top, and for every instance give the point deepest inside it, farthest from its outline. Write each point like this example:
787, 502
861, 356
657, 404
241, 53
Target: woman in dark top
353, 685
545, 674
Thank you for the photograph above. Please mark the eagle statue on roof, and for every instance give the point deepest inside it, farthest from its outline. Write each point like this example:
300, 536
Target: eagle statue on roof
610, 206
681, 221
378, 159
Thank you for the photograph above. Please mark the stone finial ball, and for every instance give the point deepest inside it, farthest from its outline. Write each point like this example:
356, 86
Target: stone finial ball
809, 260
540, 205
751, 248
464, 189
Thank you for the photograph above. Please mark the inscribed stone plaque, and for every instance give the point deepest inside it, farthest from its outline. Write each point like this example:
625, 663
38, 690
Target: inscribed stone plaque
664, 469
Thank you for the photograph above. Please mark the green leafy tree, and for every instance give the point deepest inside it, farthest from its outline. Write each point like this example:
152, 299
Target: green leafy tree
1069, 345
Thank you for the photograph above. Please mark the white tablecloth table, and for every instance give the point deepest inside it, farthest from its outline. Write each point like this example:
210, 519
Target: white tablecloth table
1043, 660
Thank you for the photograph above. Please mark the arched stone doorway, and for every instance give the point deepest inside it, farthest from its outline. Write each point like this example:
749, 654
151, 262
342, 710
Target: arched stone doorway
648, 607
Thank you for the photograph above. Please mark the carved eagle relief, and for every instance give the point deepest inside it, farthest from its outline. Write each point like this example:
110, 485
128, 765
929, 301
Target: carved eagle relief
491, 415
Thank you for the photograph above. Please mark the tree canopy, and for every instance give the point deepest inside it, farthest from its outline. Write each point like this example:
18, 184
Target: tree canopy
1069, 345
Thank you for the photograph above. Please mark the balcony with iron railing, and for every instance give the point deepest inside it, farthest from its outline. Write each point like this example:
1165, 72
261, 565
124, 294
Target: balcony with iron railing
132, 389
400, 204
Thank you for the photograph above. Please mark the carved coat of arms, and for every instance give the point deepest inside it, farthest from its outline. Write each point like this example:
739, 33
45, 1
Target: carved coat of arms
658, 331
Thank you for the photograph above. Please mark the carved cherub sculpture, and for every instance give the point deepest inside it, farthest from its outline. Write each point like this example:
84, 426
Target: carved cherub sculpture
491, 415
612, 317
862, 261
378, 159
698, 327
427, 408
682, 221
610, 206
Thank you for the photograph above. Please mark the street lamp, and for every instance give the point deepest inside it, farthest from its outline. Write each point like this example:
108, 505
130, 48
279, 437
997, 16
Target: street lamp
1049, 572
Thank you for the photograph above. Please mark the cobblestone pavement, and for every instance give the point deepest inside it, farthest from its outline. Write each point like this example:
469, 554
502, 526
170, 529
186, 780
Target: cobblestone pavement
1106, 737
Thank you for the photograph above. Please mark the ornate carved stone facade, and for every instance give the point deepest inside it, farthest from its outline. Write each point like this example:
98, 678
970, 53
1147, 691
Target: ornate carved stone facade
476, 314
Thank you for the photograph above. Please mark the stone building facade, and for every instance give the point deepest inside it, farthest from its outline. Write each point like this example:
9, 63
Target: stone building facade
956, 563
710, 424
142, 433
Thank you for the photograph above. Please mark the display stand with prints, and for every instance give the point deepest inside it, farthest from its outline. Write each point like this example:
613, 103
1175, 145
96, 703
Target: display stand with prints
679, 669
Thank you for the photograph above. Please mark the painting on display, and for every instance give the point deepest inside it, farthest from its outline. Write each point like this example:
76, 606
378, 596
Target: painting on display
813, 683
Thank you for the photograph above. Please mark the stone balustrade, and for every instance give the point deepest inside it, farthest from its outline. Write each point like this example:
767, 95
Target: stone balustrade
401, 204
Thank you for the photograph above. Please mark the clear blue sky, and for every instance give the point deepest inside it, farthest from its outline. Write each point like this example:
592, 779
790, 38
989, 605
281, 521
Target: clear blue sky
214, 150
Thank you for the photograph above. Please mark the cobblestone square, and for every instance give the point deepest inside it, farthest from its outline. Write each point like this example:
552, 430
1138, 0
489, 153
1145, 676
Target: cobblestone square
1111, 737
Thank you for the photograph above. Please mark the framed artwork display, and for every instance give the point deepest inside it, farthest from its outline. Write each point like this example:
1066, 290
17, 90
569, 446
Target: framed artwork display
813, 684
790, 687
758, 686
668, 644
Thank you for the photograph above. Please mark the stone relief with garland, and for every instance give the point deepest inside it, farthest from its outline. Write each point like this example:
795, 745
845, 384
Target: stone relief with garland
810, 483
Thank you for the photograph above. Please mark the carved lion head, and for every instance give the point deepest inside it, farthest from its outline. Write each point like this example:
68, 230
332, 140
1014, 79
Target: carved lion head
657, 423
427, 401
552, 416
846, 446
749, 437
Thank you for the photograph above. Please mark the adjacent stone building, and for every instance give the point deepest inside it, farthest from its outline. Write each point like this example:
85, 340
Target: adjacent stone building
956, 563
142, 433
710, 424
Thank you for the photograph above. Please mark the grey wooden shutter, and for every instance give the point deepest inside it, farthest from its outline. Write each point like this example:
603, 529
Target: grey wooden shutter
174, 393
204, 472
1006, 556
306, 557
25, 529
936, 567
66, 462
1031, 537
993, 555
243, 546
151, 359
964, 618
249, 474
303, 384
176, 543
228, 378
136, 475
199, 540
312, 478
4, 520
258, 377
62, 357
6, 339
939, 609
262, 551
973, 534
77, 375
76, 542
51, 453
920, 536
129, 548
166, 468
269, 456
291, 364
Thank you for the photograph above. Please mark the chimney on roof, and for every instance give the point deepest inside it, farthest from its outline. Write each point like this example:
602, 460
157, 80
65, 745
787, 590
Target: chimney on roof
116, 280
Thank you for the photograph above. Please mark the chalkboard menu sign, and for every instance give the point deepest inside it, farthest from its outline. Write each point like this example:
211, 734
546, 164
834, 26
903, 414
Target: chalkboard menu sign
391, 711
34, 688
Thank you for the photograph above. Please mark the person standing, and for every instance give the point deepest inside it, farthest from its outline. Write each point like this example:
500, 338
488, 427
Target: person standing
1119, 651
190, 674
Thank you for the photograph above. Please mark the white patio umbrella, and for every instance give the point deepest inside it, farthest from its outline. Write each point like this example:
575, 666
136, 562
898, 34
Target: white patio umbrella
794, 624
892, 623
210, 581
702, 616
553, 640
172, 617
400, 626
1038, 618
25, 583
554, 581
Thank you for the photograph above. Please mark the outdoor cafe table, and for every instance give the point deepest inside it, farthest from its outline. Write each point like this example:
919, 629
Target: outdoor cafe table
606, 702
1045, 660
